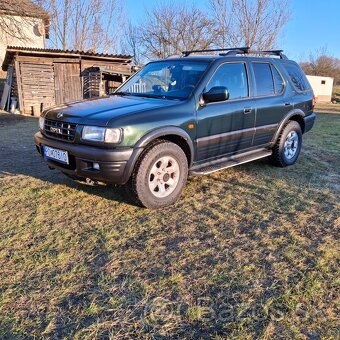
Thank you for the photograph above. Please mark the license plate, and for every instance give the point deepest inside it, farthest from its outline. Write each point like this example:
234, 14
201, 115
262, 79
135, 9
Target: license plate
56, 154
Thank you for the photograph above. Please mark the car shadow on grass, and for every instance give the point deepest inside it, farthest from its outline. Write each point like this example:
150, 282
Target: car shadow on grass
19, 157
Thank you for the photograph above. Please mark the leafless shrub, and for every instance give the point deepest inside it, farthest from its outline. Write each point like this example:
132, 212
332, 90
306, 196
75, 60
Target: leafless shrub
321, 63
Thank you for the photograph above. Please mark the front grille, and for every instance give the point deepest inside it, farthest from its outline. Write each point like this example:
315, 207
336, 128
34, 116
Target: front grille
60, 130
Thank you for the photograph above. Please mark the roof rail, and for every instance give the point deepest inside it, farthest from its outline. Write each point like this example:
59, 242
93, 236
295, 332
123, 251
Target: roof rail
234, 49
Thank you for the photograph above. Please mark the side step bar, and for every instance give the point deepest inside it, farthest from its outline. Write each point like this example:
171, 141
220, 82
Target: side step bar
224, 163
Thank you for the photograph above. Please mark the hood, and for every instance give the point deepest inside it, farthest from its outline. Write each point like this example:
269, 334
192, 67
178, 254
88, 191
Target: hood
100, 111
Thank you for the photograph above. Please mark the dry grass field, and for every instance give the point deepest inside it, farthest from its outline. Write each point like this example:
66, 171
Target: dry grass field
249, 252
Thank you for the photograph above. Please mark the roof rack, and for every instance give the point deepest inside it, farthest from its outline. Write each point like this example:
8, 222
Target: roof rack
240, 50
237, 50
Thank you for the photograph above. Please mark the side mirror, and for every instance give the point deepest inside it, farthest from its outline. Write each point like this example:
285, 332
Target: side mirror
216, 94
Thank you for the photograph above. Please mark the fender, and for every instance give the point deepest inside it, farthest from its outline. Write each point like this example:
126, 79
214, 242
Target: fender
294, 112
164, 131
149, 137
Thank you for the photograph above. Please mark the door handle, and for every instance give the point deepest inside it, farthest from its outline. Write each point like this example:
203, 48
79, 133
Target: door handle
247, 110
288, 104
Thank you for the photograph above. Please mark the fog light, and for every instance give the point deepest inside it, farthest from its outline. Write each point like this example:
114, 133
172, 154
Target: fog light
95, 166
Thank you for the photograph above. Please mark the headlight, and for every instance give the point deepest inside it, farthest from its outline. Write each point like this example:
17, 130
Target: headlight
99, 134
41, 123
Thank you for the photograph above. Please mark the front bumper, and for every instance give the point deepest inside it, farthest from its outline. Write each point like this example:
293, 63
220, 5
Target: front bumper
114, 164
309, 122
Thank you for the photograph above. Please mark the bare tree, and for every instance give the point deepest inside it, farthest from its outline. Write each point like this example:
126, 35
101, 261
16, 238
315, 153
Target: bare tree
253, 23
85, 24
321, 63
170, 29
16, 15
222, 15
132, 43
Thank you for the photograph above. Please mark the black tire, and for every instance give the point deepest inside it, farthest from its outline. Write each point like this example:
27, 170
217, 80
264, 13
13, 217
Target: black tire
280, 156
143, 175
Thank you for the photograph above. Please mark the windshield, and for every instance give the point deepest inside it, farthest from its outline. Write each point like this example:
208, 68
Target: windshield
169, 79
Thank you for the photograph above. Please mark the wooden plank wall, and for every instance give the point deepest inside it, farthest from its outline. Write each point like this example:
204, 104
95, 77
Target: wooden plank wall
41, 82
67, 82
37, 86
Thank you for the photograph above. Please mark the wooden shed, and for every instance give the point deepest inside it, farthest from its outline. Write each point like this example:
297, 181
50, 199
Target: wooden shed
39, 78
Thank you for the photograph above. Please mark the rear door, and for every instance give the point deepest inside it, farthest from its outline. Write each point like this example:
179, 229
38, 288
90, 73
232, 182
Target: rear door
226, 127
302, 96
271, 102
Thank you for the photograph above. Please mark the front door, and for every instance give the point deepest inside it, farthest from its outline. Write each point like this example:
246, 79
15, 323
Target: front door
226, 127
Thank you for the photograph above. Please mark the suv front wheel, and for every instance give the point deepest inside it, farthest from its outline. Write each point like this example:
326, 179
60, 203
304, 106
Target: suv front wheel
160, 175
288, 146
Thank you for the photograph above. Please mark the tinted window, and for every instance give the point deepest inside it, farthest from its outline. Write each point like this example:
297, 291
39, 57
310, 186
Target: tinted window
297, 76
278, 82
234, 77
263, 79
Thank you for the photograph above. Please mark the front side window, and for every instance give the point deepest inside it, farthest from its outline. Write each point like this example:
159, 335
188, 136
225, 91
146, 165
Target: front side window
166, 79
233, 76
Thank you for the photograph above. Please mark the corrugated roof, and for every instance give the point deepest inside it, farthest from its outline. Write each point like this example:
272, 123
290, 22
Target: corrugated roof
31, 51
60, 51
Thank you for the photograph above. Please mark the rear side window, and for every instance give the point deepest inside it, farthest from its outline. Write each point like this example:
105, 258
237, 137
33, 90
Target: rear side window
263, 79
297, 76
234, 77
278, 81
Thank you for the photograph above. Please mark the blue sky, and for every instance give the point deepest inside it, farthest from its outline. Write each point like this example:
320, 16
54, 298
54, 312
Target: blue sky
314, 24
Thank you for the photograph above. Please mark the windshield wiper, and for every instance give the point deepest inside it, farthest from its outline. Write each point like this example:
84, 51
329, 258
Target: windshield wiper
146, 95
150, 95
120, 93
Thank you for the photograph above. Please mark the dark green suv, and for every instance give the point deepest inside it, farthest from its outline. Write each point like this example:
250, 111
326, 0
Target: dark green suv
189, 115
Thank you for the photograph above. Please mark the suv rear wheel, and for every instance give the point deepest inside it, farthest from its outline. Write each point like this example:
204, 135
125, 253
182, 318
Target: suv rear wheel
288, 146
160, 175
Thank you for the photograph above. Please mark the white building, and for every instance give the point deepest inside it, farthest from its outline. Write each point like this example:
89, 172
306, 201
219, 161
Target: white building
322, 87
21, 24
